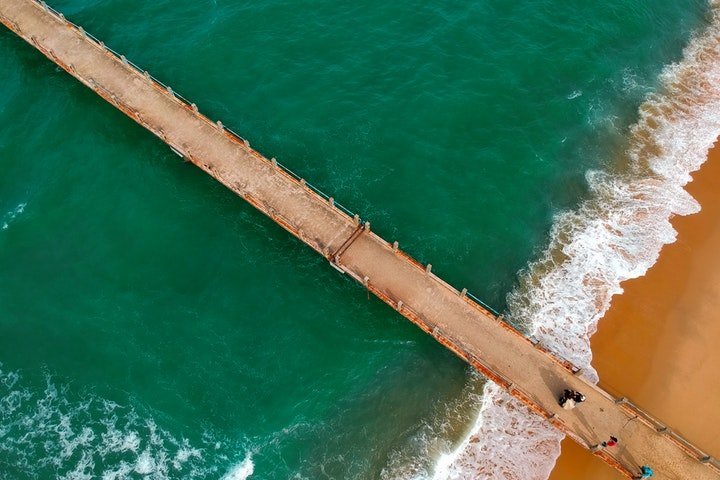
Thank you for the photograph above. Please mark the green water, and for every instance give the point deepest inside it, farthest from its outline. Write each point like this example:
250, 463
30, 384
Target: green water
154, 325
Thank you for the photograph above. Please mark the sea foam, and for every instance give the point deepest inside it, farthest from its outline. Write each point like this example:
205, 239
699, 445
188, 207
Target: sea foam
615, 235
241, 471
50, 432
12, 215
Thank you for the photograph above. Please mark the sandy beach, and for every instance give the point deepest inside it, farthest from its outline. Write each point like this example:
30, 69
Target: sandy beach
657, 343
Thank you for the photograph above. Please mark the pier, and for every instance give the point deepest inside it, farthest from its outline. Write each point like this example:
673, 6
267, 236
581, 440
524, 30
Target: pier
454, 318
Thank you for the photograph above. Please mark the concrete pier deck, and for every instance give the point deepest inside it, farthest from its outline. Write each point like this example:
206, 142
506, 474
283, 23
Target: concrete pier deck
525, 369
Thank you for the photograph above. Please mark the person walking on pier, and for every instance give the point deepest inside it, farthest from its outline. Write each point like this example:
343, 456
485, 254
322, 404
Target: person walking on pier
566, 400
645, 472
570, 398
610, 443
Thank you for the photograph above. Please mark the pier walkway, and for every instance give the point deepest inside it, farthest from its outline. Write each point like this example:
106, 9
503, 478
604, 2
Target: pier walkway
465, 326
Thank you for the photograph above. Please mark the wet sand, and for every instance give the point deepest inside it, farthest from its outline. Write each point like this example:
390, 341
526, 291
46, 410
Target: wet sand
657, 345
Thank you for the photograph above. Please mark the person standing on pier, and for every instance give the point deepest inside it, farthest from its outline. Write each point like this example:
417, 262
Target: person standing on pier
645, 472
570, 398
610, 443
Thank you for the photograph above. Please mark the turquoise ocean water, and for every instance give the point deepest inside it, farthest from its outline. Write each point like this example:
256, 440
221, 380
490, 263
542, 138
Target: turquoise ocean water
153, 325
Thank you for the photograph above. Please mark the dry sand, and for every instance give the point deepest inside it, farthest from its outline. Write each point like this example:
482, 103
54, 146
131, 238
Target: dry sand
658, 343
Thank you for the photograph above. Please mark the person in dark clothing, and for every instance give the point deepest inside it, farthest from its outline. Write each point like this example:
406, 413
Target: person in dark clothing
570, 398
566, 395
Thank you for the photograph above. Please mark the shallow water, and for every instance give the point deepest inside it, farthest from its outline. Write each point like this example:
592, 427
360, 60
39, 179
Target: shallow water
193, 337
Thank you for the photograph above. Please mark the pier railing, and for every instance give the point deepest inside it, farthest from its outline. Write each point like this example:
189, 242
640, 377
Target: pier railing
662, 428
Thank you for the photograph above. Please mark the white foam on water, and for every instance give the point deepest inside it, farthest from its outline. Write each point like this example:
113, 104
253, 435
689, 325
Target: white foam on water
242, 470
48, 433
12, 215
574, 94
615, 235
145, 463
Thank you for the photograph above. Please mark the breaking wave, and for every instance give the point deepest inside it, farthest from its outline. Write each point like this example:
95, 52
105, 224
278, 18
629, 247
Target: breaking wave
241, 471
613, 236
46, 433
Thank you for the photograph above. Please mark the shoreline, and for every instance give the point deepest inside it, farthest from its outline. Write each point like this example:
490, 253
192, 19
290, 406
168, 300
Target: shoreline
656, 343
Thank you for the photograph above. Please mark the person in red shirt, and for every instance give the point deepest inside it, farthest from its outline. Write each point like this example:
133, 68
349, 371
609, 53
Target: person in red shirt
610, 443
